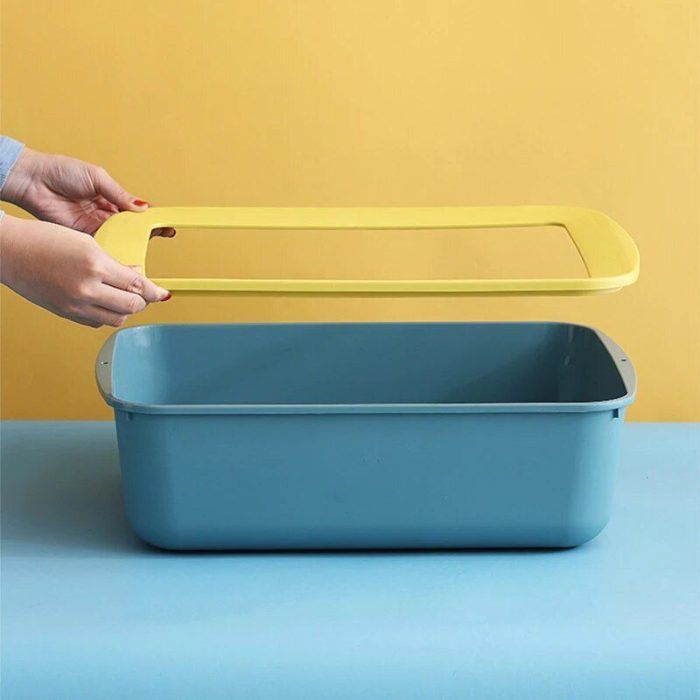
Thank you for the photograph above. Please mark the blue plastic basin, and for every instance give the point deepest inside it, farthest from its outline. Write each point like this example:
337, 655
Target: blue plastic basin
366, 435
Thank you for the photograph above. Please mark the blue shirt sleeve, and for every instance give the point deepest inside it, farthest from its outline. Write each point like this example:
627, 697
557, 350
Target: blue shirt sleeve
9, 153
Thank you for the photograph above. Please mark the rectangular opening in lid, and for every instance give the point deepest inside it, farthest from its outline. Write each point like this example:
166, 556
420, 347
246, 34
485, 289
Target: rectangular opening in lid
526, 252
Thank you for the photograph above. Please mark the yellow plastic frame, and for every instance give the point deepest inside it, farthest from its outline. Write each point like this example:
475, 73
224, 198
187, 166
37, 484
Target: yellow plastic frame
609, 254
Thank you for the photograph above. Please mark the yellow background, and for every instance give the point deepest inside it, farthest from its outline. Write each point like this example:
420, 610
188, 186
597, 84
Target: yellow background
370, 102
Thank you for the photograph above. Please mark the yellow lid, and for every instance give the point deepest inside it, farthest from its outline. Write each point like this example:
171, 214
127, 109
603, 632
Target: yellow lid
609, 254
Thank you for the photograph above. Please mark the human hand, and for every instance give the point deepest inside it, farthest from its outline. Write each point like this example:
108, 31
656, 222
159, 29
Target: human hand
69, 192
69, 274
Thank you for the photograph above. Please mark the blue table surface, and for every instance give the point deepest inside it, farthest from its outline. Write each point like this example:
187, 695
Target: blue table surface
90, 612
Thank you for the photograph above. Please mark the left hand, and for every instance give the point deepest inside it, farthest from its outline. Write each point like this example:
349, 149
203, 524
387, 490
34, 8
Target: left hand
69, 192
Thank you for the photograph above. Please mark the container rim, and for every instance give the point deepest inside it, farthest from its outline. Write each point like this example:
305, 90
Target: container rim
625, 369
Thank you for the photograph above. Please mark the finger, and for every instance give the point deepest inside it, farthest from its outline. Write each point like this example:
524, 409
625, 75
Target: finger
103, 317
87, 322
119, 301
114, 193
95, 317
105, 205
163, 232
101, 215
82, 319
130, 280
89, 223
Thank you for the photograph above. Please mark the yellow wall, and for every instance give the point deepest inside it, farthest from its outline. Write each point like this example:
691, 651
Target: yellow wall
370, 102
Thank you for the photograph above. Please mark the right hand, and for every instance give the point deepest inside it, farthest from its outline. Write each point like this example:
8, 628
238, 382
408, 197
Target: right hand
68, 273
69, 192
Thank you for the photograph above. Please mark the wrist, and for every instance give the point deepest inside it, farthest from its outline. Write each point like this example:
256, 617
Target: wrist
23, 173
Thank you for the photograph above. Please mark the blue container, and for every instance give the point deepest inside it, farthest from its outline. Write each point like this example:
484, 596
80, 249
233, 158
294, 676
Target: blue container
286, 436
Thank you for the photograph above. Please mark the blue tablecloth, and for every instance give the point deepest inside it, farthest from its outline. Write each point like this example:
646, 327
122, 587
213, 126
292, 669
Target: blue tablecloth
89, 612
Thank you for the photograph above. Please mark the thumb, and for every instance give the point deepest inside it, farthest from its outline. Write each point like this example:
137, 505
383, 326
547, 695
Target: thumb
115, 193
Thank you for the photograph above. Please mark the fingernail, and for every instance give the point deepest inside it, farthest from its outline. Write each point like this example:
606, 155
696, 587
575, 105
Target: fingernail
168, 297
140, 203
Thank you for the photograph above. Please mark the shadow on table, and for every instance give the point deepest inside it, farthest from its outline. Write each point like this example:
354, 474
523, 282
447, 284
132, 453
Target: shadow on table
65, 503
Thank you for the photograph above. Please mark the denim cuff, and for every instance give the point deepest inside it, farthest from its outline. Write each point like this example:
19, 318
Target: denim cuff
9, 153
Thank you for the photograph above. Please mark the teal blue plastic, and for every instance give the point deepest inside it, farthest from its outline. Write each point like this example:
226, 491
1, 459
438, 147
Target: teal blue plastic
397, 435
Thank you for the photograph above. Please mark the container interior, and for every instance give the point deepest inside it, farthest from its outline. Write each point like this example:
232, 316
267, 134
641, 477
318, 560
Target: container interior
415, 363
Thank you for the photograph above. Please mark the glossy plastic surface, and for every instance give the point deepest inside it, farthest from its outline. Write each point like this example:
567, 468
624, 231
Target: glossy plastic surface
366, 435
609, 254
